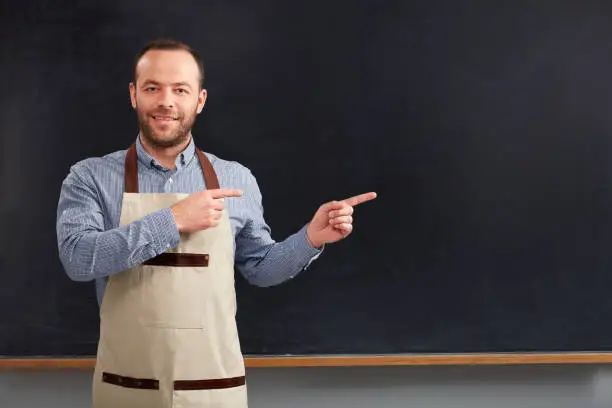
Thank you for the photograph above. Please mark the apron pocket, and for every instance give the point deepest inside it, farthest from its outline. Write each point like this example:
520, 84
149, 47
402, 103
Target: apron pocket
116, 391
222, 392
173, 297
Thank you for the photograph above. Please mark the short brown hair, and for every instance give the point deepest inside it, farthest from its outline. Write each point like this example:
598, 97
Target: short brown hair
171, 45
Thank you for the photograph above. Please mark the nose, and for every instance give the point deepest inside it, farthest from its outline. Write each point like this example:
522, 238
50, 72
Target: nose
166, 99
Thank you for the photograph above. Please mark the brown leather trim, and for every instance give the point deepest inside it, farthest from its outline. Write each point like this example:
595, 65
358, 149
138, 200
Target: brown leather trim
216, 384
210, 177
130, 382
131, 170
178, 259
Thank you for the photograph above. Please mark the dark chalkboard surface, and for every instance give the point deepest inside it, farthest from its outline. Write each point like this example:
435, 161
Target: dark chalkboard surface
485, 128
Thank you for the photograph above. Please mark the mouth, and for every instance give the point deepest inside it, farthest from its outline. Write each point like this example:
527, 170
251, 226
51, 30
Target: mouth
164, 118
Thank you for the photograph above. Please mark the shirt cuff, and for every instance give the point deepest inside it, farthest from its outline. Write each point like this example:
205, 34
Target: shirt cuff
303, 246
163, 229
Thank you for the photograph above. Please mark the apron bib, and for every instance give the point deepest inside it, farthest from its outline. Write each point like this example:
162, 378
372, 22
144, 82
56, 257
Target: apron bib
168, 335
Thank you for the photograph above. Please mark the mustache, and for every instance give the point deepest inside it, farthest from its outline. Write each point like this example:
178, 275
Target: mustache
173, 115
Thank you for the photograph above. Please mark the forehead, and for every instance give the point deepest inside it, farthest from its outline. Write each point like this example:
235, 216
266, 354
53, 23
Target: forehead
168, 66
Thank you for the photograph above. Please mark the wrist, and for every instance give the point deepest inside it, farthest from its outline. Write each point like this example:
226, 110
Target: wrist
177, 219
312, 241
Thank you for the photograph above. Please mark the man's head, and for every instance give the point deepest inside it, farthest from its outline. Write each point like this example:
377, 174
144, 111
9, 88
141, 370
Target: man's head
167, 91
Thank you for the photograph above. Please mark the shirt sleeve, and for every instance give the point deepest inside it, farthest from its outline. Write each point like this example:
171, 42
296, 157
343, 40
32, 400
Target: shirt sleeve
88, 251
260, 259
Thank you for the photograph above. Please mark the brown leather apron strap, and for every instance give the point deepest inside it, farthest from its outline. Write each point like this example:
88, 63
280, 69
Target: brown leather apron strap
178, 259
131, 170
210, 177
216, 384
130, 382
179, 385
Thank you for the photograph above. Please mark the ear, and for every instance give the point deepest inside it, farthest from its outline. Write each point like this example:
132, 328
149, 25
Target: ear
201, 100
133, 94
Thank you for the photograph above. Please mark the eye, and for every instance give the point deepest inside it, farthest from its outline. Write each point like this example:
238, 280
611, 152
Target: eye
181, 91
150, 89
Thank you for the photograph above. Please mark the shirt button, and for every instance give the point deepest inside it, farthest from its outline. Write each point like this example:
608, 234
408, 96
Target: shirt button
170, 180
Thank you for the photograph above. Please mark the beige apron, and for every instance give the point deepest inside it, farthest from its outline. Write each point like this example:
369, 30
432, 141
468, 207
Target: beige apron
168, 335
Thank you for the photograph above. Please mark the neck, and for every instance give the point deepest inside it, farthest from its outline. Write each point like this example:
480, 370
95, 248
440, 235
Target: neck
166, 156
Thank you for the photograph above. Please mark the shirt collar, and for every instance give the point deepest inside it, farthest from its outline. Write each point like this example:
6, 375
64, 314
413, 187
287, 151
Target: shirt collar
181, 160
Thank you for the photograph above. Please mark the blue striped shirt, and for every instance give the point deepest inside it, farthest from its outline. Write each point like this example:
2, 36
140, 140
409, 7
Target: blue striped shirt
93, 246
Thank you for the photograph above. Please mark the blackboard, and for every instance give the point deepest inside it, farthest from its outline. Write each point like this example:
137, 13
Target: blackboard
485, 128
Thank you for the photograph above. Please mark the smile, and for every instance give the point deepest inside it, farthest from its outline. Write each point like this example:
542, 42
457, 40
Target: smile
164, 118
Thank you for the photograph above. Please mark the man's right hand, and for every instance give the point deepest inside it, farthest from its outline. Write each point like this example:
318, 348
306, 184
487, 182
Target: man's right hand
201, 210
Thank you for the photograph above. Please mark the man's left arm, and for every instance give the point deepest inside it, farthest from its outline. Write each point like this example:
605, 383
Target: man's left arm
260, 259
265, 262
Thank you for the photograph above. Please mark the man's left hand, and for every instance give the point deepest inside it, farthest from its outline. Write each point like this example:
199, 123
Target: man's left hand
333, 221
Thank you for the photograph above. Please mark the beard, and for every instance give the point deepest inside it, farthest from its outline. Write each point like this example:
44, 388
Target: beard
179, 131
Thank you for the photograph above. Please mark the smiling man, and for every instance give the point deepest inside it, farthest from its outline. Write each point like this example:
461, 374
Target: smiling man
160, 227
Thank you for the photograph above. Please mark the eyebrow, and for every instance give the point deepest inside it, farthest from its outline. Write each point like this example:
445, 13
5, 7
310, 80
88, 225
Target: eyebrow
151, 82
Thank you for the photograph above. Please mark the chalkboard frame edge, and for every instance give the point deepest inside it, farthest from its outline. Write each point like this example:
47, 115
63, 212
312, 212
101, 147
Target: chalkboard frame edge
347, 360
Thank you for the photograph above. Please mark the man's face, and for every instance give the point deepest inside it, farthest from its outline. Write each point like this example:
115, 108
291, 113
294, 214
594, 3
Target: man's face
167, 96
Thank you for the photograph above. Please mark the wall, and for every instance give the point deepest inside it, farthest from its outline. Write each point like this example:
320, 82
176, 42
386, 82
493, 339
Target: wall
362, 387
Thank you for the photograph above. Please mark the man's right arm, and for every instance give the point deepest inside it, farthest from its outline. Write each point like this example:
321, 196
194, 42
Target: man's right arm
88, 251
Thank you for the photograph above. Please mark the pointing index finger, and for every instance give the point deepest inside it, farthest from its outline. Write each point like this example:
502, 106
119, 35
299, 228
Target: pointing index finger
225, 192
359, 199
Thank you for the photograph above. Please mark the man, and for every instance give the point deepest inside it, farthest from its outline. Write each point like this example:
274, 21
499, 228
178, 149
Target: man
159, 227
